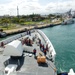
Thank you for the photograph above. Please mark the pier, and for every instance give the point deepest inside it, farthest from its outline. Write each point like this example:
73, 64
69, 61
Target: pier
25, 28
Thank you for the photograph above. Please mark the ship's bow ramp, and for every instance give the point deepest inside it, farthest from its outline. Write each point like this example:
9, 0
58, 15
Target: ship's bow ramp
13, 48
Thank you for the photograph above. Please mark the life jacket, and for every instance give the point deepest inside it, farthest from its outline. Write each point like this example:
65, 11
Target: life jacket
47, 46
40, 45
2, 44
34, 51
45, 50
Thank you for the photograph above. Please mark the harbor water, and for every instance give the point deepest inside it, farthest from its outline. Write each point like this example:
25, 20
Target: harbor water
63, 40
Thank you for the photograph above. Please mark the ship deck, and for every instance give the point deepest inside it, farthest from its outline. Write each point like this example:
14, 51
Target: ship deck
28, 64
31, 67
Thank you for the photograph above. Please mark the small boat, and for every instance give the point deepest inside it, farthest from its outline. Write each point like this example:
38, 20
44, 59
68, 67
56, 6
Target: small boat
2, 34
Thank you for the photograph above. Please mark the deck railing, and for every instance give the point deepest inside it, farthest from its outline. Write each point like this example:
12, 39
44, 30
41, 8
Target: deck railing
14, 37
50, 46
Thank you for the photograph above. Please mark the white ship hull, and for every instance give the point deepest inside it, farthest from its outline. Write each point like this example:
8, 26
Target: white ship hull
68, 21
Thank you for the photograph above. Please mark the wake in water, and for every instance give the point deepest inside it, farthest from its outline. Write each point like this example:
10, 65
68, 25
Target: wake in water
61, 67
62, 70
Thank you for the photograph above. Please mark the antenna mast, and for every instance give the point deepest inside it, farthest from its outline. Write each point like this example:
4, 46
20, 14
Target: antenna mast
17, 12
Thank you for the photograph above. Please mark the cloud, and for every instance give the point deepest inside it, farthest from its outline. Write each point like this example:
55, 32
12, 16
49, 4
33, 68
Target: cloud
33, 6
60, 6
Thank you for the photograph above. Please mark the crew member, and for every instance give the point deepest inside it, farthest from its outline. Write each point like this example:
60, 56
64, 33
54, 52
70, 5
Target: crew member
45, 52
34, 52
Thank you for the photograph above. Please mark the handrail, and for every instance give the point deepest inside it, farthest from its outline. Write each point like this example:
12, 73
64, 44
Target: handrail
49, 44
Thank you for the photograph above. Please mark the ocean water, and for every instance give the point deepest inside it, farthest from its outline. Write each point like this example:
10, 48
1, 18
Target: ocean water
63, 40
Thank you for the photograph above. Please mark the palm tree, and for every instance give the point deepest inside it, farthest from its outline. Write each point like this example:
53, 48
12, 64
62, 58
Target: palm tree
5, 22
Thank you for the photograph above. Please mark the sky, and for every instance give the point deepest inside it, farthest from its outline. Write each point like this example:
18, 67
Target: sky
43, 7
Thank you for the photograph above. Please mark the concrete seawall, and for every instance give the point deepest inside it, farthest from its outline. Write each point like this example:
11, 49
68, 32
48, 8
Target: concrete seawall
23, 29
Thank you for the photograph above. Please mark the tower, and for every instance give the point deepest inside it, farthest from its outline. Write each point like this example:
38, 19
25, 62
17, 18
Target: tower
17, 12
